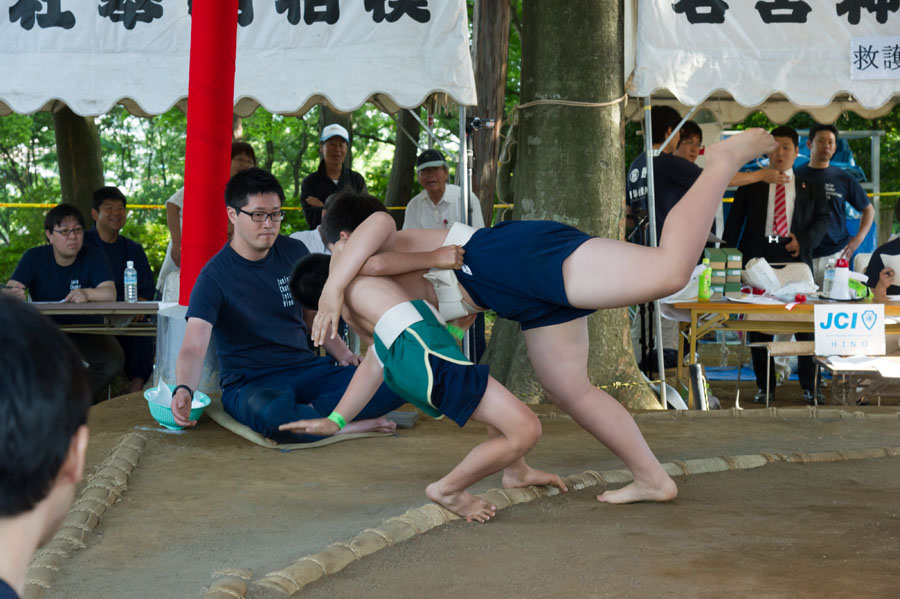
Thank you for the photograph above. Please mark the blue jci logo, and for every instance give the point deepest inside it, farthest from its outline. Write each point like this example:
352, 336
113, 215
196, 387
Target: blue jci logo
843, 320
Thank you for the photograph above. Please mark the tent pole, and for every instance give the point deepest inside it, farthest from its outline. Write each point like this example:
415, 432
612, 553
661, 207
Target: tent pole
208, 150
462, 169
651, 212
431, 137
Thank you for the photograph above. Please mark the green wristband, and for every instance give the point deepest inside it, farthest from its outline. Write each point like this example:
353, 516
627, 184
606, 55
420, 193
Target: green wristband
457, 332
337, 419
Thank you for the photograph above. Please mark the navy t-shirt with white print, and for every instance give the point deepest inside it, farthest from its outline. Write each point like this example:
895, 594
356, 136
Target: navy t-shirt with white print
47, 281
256, 322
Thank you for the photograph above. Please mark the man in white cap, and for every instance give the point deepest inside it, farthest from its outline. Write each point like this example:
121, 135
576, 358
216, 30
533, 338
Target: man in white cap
331, 176
439, 205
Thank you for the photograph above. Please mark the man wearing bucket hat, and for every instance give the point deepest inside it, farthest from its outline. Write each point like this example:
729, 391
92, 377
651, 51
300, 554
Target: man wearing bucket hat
331, 176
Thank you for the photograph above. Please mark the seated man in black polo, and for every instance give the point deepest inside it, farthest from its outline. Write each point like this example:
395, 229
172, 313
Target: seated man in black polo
269, 374
66, 270
109, 218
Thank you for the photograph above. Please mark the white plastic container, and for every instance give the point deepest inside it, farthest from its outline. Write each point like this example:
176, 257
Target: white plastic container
840, 290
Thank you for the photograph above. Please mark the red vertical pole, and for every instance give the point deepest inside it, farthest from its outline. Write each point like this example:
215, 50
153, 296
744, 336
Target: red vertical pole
208, 153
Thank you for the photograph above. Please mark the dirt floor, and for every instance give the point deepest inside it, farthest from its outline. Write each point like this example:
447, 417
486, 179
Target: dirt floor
786, 530
203, 500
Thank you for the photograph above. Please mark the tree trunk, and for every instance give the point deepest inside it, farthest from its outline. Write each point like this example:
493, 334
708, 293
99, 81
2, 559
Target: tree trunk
570, 167
491, 21
399, 188
80, 162
329, 116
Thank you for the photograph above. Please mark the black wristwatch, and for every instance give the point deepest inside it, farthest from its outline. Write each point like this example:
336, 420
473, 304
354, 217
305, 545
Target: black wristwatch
189, 390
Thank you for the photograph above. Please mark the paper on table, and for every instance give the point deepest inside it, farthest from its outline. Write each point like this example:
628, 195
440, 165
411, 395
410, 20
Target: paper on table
749, 298
852, 361
888, 368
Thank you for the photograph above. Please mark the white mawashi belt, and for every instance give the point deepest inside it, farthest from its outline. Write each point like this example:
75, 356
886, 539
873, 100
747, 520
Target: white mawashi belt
446, 286
396, 320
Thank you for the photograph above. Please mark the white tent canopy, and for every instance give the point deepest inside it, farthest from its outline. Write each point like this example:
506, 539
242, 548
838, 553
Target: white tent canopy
776, 56
90, 57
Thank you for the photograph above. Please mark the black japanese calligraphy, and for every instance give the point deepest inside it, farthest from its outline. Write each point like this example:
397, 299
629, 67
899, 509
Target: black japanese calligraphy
29, 11
415, 9
864, 58
701, 11
880, 8
130, 12
313, 11
245, 11
891, 57
783, 11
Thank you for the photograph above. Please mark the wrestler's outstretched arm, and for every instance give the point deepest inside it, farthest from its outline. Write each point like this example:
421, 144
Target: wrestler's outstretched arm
365, 382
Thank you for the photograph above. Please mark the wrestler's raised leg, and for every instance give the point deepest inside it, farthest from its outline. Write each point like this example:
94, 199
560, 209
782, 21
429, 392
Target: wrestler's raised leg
606, 273
558, 354
519, 431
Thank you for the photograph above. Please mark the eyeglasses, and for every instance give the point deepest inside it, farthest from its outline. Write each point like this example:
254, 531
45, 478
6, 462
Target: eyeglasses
692, 142
260, 217
76, 231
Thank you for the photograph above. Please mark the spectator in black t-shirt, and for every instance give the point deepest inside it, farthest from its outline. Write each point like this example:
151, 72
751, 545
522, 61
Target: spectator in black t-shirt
43, 436
109, 217
331, 176
841, 188
67, 270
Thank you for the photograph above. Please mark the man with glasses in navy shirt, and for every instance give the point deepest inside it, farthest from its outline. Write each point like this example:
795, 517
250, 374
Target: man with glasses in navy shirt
67, 270
269, 374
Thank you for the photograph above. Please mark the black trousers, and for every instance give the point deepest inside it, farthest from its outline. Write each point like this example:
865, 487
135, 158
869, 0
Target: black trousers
806, 368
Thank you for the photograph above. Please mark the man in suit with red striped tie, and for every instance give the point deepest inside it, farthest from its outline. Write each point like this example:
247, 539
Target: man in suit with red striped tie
781, 223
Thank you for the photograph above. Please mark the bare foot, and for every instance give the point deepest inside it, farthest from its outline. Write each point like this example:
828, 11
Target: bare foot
739, 149
663, 490
525, 476
463, 504
374, 425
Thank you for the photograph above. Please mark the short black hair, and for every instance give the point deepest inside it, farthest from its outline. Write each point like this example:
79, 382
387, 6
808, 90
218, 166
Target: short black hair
242, 147
690, 129
42, 404
251, 182
347, 212
819, 127
308, 279
59, 213
664, 118
785, 131
107, 193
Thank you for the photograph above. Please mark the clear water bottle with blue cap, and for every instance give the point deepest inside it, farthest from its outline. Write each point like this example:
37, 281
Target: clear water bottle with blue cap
131, 295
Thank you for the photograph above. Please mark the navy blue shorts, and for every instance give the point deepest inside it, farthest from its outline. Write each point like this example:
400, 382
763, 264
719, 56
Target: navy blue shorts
515, 269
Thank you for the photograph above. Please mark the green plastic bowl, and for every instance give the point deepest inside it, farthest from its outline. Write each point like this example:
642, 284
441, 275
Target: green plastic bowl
163, 415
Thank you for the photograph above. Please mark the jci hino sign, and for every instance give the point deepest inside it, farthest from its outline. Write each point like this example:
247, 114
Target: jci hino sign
845, 330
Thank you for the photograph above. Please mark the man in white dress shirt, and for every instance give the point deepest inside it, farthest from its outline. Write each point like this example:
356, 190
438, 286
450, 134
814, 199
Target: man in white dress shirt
439, 205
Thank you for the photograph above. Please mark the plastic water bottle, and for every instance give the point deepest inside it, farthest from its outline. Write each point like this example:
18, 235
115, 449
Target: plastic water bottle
828, 282
130, 283
704, 287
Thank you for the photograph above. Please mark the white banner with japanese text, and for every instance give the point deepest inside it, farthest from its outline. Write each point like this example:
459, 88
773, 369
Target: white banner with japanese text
803, 49
291, 54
